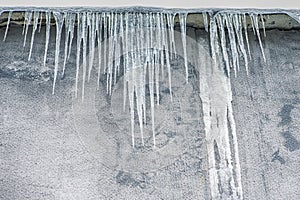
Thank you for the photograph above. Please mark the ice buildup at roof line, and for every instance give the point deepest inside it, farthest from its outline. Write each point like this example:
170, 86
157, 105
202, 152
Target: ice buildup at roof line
143, 39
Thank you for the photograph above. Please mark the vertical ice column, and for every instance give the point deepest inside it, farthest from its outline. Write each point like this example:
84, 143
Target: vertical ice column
182, 20
223, 160
59, 20
7, 26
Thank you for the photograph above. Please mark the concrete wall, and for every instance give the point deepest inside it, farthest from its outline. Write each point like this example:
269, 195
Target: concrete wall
48, 150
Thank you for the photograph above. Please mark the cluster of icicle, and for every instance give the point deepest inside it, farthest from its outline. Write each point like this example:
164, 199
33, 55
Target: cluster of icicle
144, 42
231, 31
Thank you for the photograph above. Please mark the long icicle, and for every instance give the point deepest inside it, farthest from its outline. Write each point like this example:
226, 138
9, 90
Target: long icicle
59, 20
84, 53
92, 37
79, 40
7, 25
255, 20
221, 26
237, 22
48, 17
246, 34
67, 35
99, 42
182, 20
35, 24
28, 17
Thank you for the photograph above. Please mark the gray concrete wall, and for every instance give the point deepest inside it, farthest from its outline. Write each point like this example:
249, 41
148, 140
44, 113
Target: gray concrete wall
55, 147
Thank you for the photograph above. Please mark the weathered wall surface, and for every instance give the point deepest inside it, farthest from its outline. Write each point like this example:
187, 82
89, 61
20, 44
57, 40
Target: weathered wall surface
56, 147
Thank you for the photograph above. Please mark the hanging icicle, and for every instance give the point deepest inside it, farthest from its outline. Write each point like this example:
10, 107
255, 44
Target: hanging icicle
36, 15
7, 26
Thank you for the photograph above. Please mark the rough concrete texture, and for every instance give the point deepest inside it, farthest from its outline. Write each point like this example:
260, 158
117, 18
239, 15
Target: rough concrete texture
50, 146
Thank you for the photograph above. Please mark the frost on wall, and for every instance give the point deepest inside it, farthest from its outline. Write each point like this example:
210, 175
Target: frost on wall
140, 44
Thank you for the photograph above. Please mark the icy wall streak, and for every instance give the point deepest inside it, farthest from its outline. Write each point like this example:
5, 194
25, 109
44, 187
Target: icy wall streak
140, 45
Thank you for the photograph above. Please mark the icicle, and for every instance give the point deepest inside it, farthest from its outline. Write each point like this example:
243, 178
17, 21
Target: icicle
84, 52
28, 16
263, 24
99, 40
246, 34
121, 41
69, 32
182, 19
7, 26
35, 24
115, 49
41, 21
109, 73
79, 39
126, 60
252, 24
238, 30
232, 39
48, 17
67, 24
151, 90
166, 48
131, 103
159, 45
213, 39
92, 36
170, 20
156, 58
151, 72
205, 21
144, 67
255, 20
221, 25
59, 20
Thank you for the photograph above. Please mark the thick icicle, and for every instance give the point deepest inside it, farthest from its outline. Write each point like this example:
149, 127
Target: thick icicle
205, 21
213, 32
7, 26
59, 20
182, 20
48, 17
35, 24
